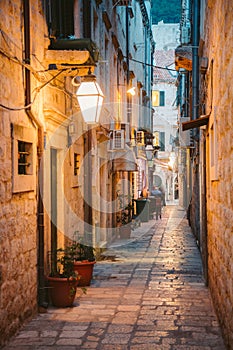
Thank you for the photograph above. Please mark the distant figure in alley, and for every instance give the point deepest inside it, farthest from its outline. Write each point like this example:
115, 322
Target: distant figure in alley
158, 201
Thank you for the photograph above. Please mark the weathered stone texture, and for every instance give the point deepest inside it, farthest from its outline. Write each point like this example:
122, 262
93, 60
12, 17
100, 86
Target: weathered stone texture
218, 41
18, 219
18, 282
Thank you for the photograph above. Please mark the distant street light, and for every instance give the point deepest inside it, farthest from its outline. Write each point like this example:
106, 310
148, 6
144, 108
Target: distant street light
149, 152
131, 91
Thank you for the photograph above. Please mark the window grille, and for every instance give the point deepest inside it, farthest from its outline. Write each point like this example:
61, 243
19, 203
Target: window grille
76, 163
23, 158
118, 139
24, 152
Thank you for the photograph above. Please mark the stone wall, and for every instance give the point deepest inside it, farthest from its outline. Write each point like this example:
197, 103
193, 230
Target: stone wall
51, 106
218, 47
18, 204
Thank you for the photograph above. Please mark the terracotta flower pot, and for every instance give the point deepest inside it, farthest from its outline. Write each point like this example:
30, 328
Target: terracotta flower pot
85, 270
62, 291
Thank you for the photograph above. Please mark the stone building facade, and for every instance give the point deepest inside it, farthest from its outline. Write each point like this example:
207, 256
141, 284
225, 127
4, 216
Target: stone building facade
45, 140
207, 64
218, 35
18, 213
165, 110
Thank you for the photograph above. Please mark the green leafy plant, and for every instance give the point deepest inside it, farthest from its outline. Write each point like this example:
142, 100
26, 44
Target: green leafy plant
125, 205
84, 252
62, 263
80, 250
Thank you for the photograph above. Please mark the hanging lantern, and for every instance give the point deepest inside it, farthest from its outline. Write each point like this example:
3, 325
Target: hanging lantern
90, 98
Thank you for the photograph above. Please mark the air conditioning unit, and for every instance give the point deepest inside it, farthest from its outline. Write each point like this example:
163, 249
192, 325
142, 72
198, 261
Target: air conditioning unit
140, 138
118, 139
121, 3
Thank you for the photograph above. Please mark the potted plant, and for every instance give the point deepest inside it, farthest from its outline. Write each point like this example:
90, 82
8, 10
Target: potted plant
63, 280
84, 260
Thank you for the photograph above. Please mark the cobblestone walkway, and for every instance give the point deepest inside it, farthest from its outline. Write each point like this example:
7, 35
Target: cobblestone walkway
151, 296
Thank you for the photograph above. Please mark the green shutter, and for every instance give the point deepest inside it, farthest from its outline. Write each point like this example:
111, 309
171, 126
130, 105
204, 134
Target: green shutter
162, 141
162, 98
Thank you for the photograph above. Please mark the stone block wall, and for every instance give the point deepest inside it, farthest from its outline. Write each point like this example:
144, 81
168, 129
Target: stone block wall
218, 47
18, 209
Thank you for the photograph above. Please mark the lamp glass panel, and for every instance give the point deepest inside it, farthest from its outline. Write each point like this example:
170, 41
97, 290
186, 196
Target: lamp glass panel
90, 98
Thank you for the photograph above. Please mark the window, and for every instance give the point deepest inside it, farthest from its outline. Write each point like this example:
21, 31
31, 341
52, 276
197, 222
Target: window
23, 159
118, 139
156, 139
76, 164
158, 98
140, 138
60, 18
159, 140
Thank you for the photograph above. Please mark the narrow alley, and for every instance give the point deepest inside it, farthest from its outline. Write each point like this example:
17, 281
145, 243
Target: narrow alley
148, 293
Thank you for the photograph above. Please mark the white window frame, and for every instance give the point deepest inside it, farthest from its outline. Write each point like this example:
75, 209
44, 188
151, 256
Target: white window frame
118, 141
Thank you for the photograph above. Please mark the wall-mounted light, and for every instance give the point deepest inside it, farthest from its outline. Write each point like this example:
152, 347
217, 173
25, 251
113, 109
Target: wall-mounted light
90, 98
131, 91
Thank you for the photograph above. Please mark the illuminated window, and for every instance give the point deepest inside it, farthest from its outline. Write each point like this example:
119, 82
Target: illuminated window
159, 140
156, 139
158, 98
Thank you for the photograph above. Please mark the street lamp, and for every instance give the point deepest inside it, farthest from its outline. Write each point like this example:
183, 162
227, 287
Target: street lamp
149, 152
90, 98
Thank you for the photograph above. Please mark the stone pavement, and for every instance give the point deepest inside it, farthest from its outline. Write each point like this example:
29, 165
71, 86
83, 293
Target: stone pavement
147, 294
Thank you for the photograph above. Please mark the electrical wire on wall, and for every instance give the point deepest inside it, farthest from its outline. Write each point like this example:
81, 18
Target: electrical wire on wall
36, 72
36, 90
151, 65
33, 71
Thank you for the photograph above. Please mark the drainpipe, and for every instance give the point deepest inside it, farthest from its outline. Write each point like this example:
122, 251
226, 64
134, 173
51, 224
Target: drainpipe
195, 60
40, 147
195, 113
129, 97
127, 60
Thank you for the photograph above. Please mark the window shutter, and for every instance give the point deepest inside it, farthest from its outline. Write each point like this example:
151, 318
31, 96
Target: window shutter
60, 18
86, 18
162, 141
68, 17
162, 98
